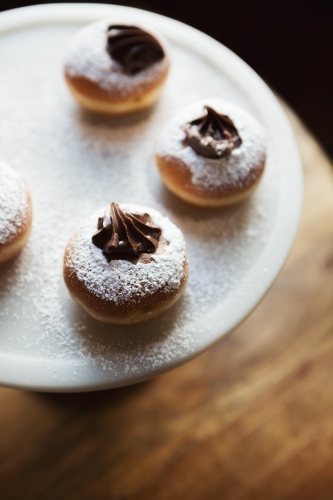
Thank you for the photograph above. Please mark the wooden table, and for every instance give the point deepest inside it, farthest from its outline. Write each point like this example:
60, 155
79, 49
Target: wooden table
252, 418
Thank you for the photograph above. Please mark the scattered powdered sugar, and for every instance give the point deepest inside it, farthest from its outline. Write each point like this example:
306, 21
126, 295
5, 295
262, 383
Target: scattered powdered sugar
232, 171
75, 163
119, 280
87, 57
13, 203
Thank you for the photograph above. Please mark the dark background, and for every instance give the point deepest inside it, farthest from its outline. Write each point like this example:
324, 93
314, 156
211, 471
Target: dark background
290, 45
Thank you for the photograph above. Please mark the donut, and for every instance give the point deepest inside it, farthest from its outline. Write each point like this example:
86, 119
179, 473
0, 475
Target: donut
126, 264
116, 67
212, 154
15, 213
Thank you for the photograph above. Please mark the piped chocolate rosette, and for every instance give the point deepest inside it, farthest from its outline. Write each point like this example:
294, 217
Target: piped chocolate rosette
212, 135
123, 235
134, 48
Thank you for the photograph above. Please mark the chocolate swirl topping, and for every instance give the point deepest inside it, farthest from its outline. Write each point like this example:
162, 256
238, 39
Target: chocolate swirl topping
122, 235
134, 48
212, 135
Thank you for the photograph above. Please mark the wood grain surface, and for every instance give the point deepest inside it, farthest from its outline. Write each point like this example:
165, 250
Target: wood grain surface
252, 418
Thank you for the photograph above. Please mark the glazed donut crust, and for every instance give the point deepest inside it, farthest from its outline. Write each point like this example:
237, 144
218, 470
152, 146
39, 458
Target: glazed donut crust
120, 292
178, 179
206, 182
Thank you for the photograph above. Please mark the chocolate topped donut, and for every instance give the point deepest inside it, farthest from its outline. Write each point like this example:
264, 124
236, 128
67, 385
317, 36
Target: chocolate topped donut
116, 67
212, 153
118, 279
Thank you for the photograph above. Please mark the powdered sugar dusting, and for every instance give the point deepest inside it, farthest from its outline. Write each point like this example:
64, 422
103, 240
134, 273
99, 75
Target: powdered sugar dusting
74, 163
13, 203
233, 171
87, 57
121, 281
